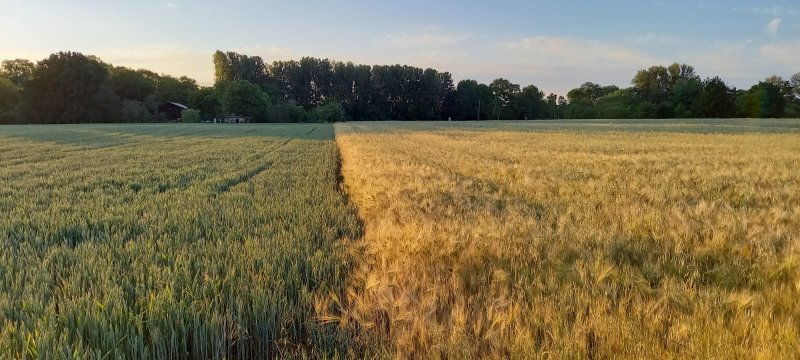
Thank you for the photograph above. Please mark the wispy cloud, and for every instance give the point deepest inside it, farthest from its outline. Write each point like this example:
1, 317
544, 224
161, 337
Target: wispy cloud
774, 11
576, 52
774, 25
785, 53
430, 36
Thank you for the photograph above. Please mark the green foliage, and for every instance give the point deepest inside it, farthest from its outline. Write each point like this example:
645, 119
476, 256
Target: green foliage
328, 113
657, 82
529, 104
190, 116
135, 112
230, 66
19, 71
9, 95
473, 100
288, 112
764, 100
131, 84
245, 99
716, 101
207, 100
393, 92
503, 92
70, 87
179, 90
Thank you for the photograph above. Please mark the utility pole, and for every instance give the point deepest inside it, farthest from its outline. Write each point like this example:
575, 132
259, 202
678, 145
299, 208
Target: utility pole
479, 109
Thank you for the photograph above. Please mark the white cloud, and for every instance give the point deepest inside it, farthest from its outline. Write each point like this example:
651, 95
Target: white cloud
774, 25
575, 52
784, 53
775, 11
430, 36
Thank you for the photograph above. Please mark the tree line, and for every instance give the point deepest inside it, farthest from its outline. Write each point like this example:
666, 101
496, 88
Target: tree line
69, 87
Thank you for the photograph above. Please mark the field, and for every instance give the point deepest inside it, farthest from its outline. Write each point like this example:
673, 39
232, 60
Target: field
542, 239
170, 241
639, 239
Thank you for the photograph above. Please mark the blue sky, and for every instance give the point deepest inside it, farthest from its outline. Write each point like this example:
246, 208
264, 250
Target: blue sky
556, 45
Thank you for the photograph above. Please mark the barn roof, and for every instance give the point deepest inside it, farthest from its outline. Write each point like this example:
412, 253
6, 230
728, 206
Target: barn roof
184, 107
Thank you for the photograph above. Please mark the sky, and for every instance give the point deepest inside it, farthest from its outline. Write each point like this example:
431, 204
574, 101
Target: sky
555, 45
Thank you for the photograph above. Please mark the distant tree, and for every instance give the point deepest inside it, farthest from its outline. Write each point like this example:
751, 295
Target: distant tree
764, 100
472, 101
131, 84
529, 103
9, 97
18, 71
794, 82
684, 93
716, 101
135, 112
554, 106
208, 101
171, 89
246, 99
657, 82
231, 66
70, 87
589, 93
503, 92
328, 113
620, 104
583, 100
287, 112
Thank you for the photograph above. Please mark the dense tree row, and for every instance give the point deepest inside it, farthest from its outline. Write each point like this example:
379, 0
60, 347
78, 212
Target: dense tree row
677, 92
70, 87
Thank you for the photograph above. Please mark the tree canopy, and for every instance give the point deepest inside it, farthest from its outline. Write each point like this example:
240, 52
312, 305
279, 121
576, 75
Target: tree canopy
70, 87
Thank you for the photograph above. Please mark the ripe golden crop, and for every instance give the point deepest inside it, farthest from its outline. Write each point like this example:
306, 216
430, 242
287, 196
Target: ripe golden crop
530, 241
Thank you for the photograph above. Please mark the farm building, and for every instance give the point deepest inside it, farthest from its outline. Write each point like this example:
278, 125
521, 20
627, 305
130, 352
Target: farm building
172, 110
235, 119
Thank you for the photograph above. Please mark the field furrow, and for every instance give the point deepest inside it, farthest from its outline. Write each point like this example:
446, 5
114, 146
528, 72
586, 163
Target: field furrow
118, 251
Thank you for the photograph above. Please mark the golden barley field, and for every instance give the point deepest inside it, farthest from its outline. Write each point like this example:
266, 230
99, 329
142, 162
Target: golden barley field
598, 242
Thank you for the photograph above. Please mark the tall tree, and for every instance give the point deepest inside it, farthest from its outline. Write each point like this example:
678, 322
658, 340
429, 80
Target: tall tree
503, 91
657, 82
716, 101
172, 89
18, 71
70, 87
245, 99
231, 66
794, 82
529, 103
764, 100
131, 84
472, 100
9, 96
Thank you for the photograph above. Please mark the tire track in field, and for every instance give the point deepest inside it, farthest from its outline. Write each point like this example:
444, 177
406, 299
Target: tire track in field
228, 184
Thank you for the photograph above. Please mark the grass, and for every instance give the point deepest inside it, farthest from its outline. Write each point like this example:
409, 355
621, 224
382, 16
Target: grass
618, 239
171, 241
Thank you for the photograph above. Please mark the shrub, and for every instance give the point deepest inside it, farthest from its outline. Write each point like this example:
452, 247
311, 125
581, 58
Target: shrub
328, 113
190, 116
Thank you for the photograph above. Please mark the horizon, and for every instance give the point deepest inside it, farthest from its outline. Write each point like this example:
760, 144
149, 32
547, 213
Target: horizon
556, 47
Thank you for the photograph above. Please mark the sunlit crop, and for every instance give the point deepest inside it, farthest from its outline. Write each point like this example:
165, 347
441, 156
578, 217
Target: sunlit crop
576, 241
163, 241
